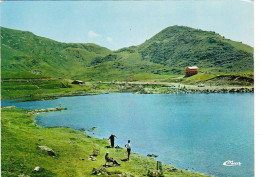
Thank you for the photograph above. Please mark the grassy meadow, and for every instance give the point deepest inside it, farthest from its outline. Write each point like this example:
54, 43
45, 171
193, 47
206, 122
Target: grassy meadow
27, 86
21, 137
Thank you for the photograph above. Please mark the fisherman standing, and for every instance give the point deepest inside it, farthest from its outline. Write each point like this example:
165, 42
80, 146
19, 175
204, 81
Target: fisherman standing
112, 140
128, 148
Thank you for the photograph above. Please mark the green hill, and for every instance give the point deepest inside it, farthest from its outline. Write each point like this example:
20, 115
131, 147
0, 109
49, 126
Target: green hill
165, 54
181, 46
24, 51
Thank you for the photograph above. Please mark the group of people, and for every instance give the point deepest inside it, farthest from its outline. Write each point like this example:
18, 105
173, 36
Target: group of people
112, 142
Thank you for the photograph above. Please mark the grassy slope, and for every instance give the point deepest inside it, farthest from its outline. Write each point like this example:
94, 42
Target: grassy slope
28, 86
181, 46
24, 51
238, 79
167, 53
20, 139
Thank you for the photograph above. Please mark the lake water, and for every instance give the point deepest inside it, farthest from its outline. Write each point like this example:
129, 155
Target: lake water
198, 132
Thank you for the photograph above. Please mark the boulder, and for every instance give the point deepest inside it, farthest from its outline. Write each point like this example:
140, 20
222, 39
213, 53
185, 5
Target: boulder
152, 155
92, 158
100, 171
124, 174
154, 173
36, 169
172, 169
48, 150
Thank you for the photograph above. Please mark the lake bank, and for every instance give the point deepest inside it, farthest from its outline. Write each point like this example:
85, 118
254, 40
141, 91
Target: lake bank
93, 88
21, 137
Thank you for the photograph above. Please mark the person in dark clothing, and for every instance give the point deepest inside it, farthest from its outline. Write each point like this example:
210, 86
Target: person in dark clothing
110, 159
112, 140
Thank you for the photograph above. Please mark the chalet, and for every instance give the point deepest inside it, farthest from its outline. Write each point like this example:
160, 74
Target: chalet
190, 71
78, 82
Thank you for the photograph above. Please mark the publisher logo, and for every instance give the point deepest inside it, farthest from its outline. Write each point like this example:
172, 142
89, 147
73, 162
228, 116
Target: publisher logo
231, 163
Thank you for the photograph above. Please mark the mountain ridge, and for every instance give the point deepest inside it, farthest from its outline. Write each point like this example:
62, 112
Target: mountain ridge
166, 53
176, 43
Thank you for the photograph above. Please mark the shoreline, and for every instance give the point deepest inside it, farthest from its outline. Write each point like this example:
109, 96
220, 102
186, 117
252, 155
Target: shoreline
129, 167
137, 88
34, 112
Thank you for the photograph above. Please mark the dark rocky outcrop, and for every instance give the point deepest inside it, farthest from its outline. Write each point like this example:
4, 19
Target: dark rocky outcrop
152, 155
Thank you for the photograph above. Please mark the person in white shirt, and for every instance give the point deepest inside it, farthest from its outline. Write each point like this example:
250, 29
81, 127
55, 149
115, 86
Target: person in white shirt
128, 148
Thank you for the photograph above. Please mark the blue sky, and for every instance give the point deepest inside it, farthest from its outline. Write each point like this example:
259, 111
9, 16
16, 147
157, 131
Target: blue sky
117, 24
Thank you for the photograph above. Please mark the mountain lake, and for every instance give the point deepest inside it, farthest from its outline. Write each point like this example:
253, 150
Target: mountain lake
199, 132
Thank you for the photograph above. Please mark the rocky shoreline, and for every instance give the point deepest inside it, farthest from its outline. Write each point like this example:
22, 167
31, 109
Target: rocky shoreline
188, 90
142, 88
